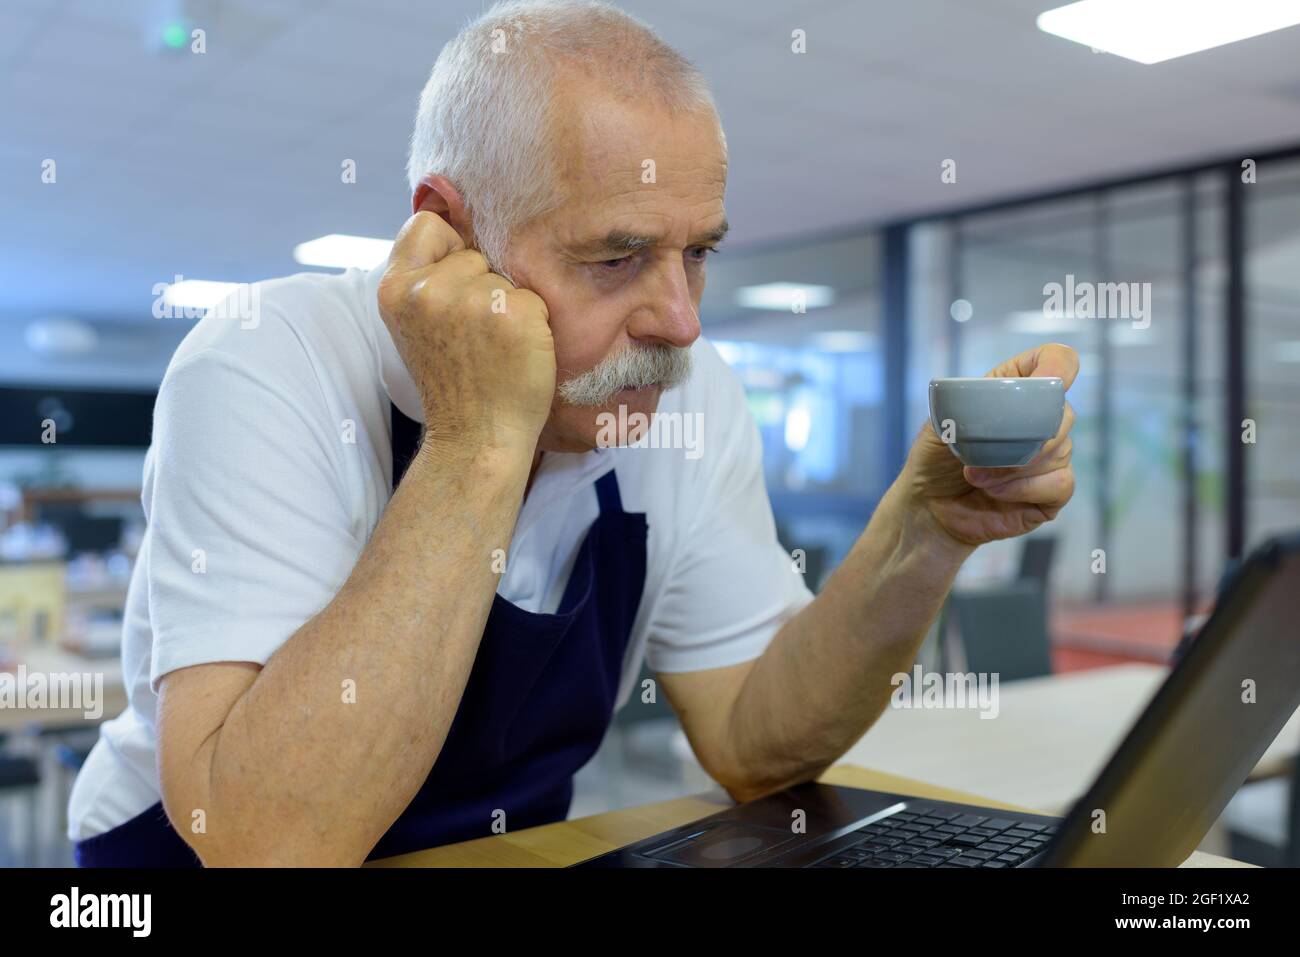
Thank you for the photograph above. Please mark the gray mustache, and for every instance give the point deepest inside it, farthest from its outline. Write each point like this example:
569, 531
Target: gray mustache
636, 367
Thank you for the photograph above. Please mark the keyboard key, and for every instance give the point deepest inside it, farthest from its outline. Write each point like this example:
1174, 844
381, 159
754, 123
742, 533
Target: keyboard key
902, 816
891, 856
1032, 827
950, 829
1010, 858
925, 842
875, 862
944, 852
967, 840
993, 864
929, 860
841, 861
982, 855
1017, 832
966, 861
982, 831
969, 820
943, 814
999, 823
997, 847
932, 821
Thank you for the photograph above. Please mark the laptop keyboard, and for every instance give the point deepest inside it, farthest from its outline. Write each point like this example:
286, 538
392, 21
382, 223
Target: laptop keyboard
932, 837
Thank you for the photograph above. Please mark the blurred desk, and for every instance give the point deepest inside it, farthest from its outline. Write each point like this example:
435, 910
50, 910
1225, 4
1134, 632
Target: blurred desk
56, 661
568, 842
1051, 737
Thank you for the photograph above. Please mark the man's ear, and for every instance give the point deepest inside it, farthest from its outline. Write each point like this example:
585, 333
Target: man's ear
436, 194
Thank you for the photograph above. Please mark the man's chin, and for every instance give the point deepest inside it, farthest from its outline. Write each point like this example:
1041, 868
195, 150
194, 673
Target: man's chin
621, 419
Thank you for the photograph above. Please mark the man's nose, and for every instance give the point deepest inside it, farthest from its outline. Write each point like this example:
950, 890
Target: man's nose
669, 316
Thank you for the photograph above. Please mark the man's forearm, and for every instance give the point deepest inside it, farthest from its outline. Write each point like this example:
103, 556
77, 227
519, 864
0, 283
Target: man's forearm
301, 773
825, 678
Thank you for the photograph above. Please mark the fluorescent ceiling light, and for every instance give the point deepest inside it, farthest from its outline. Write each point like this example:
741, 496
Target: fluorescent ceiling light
58, 338
197, 293
1151, 31
843, 340
1035, 323
338, 251
783, 295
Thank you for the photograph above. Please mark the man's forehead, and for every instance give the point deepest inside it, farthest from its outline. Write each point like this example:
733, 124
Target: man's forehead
636, 175
610, 141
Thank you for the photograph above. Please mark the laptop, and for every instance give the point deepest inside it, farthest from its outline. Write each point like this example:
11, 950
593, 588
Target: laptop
1224, 702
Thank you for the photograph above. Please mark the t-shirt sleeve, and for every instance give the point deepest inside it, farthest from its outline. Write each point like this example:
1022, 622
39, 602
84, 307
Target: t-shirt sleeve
731, 585
249, 534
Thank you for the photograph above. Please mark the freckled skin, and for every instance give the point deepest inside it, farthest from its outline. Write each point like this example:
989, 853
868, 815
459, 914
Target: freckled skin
654, 297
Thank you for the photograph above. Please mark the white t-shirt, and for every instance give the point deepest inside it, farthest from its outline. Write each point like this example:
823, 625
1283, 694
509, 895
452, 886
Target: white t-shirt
270, 468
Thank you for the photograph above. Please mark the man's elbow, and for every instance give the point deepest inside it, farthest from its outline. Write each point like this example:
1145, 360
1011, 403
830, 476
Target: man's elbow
260, 852
261, 846
744, 784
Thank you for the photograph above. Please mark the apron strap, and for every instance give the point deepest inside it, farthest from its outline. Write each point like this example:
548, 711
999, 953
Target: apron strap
607, 493
406, 436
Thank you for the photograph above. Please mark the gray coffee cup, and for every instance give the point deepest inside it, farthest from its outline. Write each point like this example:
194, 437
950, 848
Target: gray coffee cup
996, 423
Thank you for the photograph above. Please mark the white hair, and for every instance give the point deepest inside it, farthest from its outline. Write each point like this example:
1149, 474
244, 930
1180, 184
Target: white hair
487, 111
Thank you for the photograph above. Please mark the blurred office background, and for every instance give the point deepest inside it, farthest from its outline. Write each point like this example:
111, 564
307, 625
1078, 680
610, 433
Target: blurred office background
1068, 162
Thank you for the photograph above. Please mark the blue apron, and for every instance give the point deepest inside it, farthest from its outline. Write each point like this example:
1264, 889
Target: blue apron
539, 699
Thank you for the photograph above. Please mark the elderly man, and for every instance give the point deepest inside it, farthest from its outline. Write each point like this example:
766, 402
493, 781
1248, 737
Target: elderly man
350, 637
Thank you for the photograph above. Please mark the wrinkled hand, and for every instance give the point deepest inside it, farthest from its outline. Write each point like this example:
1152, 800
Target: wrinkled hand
979, 505
480, 349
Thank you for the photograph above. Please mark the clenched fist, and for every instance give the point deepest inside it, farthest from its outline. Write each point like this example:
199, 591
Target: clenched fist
479, 349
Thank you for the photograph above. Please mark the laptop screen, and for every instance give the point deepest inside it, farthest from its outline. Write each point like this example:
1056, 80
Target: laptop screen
1207, 726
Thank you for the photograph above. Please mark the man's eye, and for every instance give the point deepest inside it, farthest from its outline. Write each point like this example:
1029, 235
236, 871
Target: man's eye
700, 253
613, 264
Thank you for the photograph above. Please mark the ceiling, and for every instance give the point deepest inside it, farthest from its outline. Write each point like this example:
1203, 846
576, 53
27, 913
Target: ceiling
214, 166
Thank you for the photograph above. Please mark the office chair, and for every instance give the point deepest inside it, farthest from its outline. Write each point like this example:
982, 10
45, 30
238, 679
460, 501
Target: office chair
1036, 555
1003, 629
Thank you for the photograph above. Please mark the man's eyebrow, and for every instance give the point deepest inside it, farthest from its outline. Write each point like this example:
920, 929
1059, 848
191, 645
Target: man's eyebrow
622, 241
713, 236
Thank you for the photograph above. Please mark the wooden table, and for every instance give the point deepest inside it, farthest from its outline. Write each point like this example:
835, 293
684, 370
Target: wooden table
1050, 739
568, 842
